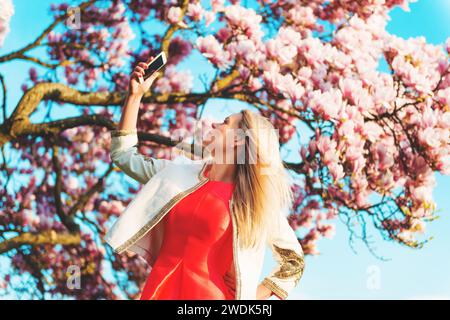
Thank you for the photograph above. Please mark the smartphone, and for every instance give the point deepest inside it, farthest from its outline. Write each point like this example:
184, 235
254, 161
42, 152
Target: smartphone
157, 63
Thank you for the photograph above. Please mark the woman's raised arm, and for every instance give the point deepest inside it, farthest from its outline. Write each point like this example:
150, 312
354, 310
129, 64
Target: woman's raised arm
136, 89
124, 139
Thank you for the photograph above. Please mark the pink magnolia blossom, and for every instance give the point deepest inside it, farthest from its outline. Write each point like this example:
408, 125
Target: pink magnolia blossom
273, 78
245, 20
217, 5
174, 81
291, 88
213, 50
383, 156
6, 12
311, 49
247, 51
421, 193
210, 17
255, 83
195, 11
430, 137
373, 131
328, 104
444, 97
302, 16
284, 54
174, 14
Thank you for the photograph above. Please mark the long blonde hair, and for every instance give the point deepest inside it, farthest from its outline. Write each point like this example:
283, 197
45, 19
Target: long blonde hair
263, 186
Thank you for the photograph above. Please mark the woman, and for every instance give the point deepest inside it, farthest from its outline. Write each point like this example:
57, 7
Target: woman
203, 226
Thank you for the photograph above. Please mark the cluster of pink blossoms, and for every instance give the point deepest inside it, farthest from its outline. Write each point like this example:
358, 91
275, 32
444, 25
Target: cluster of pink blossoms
6, 12
98, 48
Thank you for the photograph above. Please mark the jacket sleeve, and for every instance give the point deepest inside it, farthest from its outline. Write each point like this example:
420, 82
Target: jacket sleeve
124, 154
288, 253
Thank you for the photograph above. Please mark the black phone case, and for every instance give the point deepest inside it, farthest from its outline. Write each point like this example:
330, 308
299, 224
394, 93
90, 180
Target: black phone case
155, 65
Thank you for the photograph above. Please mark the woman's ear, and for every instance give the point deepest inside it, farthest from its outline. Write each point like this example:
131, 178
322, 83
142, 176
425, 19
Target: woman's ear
239, 138
239, 141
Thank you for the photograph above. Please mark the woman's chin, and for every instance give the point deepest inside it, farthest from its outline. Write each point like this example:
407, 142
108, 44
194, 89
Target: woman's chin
208, 148
207, 143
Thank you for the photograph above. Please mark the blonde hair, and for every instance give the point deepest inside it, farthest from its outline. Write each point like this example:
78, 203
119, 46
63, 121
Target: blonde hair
262, 187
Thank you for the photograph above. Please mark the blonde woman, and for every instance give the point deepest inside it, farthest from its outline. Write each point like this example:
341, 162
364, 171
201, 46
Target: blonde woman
203, 225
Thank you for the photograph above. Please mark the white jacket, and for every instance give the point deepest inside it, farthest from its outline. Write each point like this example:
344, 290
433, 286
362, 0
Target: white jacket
166, 182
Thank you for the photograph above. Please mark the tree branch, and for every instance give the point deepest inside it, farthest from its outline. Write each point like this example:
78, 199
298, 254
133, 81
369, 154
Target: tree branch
66, 219
97, 187
46, 237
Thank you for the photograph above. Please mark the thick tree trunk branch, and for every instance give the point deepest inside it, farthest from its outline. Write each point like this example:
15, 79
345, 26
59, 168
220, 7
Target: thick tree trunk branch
47, 237
18, 124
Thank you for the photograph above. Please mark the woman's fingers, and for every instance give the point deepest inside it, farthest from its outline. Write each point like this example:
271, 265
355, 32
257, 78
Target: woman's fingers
139, 73
230, 282
228, 276
140, 70
230, 286
137, 76
143, 65
231, 290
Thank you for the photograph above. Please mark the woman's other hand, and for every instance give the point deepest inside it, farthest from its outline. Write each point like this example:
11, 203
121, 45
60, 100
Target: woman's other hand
230, 283
263, 293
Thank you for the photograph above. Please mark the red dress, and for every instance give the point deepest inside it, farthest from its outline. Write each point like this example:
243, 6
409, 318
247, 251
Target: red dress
197, 248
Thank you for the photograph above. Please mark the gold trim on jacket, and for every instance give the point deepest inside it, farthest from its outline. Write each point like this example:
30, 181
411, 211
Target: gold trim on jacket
235, 252
292, 265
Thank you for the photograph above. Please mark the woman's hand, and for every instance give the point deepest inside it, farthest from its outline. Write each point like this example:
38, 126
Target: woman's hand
137, 86
263, 293
230, 282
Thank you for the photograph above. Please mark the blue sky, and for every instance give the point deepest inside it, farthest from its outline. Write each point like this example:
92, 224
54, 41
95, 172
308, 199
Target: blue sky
337, 273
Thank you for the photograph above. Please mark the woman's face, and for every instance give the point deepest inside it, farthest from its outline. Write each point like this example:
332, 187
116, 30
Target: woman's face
216, 139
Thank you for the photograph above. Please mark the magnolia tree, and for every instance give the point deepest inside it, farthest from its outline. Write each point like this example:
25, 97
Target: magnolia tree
376, 108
